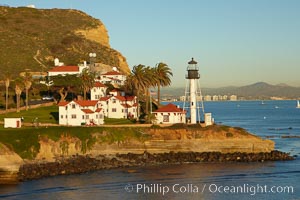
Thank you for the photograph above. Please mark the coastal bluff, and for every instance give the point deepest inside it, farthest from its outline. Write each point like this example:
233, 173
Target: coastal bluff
104, 148
10, 163
221, 139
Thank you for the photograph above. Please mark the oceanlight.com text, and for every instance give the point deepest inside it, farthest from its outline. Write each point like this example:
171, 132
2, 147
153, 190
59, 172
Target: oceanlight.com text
251, 189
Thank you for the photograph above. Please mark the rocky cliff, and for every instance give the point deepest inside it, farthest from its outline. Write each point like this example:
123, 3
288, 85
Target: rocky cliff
223, 140
10, 163
32, 38
117, 147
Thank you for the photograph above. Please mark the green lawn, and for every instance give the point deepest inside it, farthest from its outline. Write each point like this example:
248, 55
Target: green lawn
117, 121
47, 114
25, 141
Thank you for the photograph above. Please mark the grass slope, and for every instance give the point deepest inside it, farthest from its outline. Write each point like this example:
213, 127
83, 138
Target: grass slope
26, 33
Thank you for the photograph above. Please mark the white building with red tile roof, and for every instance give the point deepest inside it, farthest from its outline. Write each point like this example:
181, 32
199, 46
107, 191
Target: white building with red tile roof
84, 112
113, 77
170, 114
64, 70
119, 106
98, 91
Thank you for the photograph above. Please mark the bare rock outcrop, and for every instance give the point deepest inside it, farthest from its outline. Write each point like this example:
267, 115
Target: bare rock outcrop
98, 34
10, 163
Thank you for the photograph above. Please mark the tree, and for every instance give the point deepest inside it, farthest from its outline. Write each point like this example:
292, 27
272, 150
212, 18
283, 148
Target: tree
27, 81
163, 74
87, 81
66, 84
138, 82
150, 80
7, 79
18, 91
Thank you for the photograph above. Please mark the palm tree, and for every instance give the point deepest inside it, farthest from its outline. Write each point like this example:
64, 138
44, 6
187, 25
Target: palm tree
87, 81
150, 80
163, 74
138, 81
27, 81
18, 90
7, 79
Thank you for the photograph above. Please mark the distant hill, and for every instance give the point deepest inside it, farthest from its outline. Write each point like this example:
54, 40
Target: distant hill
31, 38
260, 90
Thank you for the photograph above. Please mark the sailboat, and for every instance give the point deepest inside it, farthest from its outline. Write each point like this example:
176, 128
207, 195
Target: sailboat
298, 104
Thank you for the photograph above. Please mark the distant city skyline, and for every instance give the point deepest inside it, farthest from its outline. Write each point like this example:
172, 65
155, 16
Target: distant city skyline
235, 42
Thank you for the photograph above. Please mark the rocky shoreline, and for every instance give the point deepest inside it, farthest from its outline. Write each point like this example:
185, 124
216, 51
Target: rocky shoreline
85, 163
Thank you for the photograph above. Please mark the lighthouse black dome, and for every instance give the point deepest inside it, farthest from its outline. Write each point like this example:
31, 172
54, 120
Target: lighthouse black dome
192, 62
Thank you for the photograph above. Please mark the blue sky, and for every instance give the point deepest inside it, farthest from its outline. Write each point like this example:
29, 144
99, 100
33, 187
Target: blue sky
236, 42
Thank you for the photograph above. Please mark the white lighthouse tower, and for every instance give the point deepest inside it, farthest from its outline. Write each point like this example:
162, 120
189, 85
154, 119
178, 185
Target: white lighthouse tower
193, 100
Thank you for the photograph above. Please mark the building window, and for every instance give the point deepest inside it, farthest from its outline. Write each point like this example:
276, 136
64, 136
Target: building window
114, 110
73, 106
87, 117
73, 116
82, 116
61, 116
114, 101
94, 89
100, 116
166, 118
66, 107
66, 116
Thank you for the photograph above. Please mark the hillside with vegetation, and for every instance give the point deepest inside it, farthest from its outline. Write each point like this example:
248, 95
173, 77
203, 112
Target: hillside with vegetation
31, 38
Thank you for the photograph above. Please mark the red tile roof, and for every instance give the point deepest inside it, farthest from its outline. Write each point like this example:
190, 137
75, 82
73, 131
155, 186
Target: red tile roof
104, 98
99, 84
125, 98
87, 102
87, 111
65, 69
170, 108
130, 98
63, 103
98, 110
135, 105
121, 98
112, 73
125, 105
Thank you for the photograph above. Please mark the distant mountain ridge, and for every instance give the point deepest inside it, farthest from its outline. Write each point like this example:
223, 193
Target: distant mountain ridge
31, 38
259, 90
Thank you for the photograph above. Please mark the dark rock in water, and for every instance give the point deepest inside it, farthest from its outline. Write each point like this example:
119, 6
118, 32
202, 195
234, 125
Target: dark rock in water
81, 164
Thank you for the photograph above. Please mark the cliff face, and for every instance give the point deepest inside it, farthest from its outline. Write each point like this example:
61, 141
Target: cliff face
98, 34
161, 141
9, 165
32, 38
111, 143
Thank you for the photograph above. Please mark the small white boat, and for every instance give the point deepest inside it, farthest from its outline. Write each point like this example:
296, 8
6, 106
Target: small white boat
298, 104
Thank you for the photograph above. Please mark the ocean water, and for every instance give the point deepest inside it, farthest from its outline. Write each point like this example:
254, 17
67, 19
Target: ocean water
261, 180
